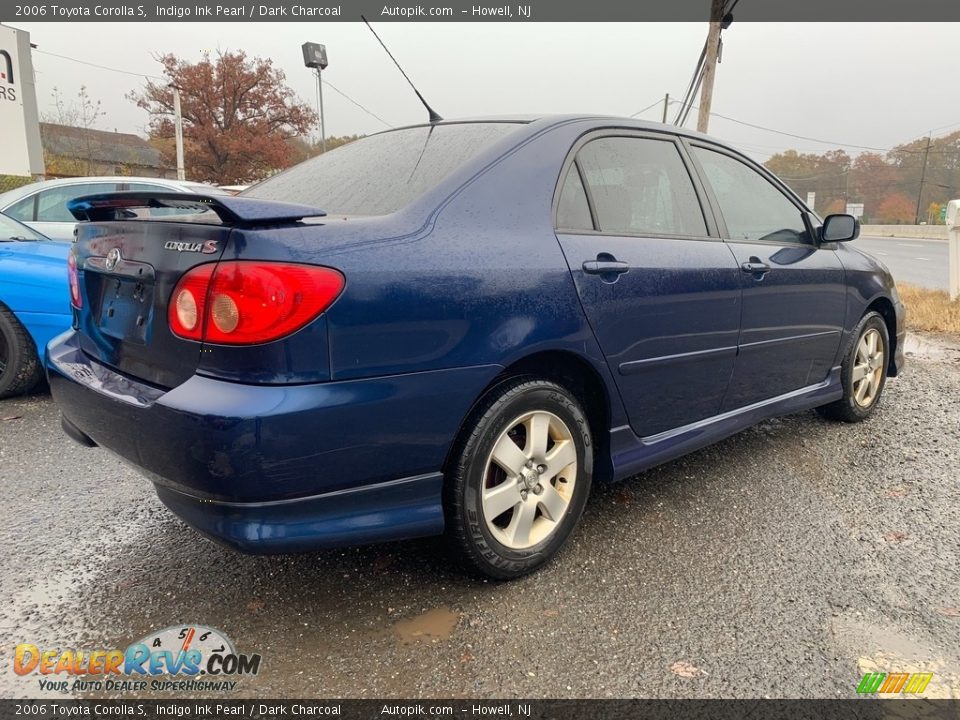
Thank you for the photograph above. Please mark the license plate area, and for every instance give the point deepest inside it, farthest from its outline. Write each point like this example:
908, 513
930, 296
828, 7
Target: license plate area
126, 308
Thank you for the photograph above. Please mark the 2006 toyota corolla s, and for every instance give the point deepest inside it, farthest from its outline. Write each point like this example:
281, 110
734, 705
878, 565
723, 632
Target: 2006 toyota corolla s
457, 328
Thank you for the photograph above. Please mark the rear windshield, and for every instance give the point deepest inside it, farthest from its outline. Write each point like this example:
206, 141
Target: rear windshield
381, 173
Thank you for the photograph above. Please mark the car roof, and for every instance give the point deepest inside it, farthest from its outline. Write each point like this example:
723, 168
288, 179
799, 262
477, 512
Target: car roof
536, 122
24, 190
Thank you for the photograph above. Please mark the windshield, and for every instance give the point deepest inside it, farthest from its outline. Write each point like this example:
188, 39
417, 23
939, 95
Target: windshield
382, 173
10, 229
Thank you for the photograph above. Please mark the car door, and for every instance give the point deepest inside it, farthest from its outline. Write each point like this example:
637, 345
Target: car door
659, 287
793, 289
46, 211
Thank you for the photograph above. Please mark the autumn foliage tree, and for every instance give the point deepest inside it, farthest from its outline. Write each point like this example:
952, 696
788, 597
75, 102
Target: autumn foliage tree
926, 170
238, 115
896, 209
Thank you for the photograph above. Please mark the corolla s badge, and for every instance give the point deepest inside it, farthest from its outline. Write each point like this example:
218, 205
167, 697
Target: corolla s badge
113, 257
207, 247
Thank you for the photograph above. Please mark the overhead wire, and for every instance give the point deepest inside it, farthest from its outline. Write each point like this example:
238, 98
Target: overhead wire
157, 77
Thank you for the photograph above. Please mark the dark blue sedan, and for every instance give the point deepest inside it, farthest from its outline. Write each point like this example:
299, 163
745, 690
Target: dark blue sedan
457, 328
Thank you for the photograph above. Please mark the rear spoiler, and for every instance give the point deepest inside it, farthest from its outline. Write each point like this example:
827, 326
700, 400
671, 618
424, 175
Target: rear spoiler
230, 209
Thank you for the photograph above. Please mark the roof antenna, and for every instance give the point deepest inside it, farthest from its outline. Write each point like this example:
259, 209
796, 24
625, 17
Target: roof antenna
434, 116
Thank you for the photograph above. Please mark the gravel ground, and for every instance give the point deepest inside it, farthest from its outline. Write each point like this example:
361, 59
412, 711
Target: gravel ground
782, 562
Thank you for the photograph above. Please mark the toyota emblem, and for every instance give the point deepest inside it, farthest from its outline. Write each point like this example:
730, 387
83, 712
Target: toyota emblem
113, 258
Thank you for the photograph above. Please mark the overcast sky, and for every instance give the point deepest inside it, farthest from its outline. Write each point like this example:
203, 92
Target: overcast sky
867, 84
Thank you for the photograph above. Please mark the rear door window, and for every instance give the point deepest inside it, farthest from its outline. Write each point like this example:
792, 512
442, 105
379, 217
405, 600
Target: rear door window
573, 210
640, 186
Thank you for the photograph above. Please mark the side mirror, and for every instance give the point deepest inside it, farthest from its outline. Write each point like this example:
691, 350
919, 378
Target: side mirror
839, 228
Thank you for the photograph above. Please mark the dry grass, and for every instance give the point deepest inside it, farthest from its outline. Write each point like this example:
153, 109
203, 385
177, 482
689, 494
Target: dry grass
930, 310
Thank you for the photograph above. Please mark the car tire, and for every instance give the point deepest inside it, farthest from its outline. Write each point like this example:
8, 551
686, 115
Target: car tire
20, 368
863, 372
520, 478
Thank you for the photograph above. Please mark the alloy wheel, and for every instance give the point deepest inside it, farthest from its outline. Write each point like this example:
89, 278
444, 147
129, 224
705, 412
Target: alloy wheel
529, 480
868, 368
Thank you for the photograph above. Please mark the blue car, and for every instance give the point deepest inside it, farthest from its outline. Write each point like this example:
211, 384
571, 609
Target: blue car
34, 303
457, 328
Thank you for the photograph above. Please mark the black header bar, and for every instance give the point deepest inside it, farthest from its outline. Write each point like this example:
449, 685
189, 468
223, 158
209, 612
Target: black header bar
853, 11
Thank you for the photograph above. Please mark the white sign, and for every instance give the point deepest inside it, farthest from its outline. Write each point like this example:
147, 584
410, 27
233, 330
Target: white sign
855, 209
953, 214
19, 125
953, 249
811, 199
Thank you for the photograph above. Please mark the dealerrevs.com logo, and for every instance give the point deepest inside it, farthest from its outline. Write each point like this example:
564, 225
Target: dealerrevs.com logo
179, 654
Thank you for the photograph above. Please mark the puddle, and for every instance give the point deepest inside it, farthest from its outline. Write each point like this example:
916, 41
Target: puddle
932, 347
436, 624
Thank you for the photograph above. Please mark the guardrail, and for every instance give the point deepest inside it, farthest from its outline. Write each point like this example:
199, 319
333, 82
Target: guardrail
928, 232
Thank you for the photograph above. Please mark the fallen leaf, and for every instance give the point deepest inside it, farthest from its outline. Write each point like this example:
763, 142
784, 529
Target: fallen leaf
895, 536
895, 493
684, 669
551, 612
11, 417
624, 497
949, 611
255, 605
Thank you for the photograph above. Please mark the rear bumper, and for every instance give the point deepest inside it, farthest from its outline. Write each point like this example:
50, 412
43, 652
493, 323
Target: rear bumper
406, 508
277, 468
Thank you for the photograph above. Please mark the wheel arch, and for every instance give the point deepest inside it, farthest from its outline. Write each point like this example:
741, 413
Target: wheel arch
575, 373
884, 306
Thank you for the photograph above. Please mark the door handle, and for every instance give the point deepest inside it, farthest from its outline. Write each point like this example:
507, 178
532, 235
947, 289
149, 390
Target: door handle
605, 267
755, 267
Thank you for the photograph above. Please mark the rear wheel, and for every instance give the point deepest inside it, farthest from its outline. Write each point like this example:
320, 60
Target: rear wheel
522, 478
863, 372
20, 369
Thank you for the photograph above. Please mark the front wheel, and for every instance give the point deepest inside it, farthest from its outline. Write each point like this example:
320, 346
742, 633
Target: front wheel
523, 473
863, 372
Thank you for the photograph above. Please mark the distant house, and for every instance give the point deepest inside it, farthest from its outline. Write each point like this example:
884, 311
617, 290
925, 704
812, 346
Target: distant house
72, 151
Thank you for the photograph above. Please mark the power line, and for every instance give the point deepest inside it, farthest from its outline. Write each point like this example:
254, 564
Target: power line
819, 140
155, 77
799, 137
368, 112
694, 80
101, 67
943, 127
648, 107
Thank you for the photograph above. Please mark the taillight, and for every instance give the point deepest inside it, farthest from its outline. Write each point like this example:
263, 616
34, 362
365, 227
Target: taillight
74, 277
189, 301
244, 302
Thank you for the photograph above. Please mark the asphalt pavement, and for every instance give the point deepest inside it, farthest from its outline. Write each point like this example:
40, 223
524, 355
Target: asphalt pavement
785, 562
919, 262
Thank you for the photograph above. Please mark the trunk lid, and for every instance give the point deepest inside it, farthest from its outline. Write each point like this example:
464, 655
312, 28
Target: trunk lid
132, 251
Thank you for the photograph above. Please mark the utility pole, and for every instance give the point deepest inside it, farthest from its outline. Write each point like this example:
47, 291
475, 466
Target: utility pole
666, 104
710, 64
178, 130
923, 176
323, 125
